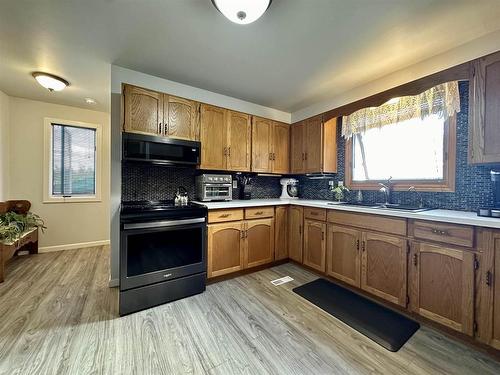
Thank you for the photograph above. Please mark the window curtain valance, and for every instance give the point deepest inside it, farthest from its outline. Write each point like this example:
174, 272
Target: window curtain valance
442, 100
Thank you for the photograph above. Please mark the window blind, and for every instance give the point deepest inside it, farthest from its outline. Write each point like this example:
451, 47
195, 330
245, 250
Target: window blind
73, 160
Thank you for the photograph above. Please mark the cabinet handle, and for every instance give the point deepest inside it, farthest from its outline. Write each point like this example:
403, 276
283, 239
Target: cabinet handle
300, 229
159, 128
357, 245
224, 215
270, 156
305, 156
363, 246
259, 213
229, 151
415, 259
242, 234
246, 234
322, 236
440, 232
274, 156
489, 278
225, 151
314, 213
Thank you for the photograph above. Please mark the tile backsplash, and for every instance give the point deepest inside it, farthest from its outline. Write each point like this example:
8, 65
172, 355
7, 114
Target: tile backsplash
473, 185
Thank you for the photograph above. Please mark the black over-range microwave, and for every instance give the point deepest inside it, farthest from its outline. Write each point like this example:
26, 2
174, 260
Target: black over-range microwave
159, 150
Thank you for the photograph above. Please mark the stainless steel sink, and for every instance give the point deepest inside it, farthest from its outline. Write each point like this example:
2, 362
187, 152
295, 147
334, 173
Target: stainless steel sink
381, 206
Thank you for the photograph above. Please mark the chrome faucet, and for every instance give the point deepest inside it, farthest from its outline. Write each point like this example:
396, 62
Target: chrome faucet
387, 190
420, 198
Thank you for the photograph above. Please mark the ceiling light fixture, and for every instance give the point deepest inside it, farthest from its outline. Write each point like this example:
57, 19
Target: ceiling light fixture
242, 11
50, 82
90, 101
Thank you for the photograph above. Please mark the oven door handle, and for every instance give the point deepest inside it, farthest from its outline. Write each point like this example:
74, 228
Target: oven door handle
164, 223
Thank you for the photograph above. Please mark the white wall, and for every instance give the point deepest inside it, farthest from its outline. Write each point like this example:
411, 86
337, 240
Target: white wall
68, 224
4, 145
469, 51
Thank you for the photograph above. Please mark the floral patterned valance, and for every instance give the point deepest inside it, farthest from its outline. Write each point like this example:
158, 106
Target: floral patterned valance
442, 100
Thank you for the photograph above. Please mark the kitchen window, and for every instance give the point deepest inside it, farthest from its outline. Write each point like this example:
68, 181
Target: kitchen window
72, 161
417, 150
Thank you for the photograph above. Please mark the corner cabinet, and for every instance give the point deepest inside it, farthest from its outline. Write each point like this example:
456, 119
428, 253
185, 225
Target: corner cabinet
442, 285
484, 110
270, 146
314, 146
154, 113
281, 233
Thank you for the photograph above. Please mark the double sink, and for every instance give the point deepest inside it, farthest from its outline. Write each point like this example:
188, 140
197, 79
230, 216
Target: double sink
384, 206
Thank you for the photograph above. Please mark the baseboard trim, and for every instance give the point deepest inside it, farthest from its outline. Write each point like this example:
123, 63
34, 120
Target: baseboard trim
49, 249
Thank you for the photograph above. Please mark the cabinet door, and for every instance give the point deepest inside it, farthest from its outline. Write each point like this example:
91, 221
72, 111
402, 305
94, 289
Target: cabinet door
297, 148
493, 280
181, 118
281, 233
143, 111
295, 234
281, 148
442, 285
213, 137
239, 131
315, 244
259, 248
383, 266
225, 248
314, 145
343, 254
262, 139
484, 110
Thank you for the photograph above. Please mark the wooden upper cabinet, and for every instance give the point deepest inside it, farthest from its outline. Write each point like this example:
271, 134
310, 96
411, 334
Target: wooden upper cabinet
442, 285
262, 140
259, 237
182, 118
295, 233
225, 248
313, 139
297, 148
143, 111
343, 254
281, 148
281, 233
484, 110
313, 146
315, 244
239, 134
213, 137
383, 267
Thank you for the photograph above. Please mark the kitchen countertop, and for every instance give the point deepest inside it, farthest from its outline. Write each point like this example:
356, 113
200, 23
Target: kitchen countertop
446, 216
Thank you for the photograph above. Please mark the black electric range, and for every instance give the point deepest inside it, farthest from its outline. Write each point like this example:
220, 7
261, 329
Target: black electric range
163, 253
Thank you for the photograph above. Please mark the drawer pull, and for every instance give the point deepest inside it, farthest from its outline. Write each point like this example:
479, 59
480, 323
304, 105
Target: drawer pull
415, 259
357, 245
363, 246
224, 215
440, 232
314, 213
259, 213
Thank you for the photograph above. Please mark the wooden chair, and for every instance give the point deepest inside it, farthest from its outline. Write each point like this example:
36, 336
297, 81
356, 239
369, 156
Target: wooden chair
26, 241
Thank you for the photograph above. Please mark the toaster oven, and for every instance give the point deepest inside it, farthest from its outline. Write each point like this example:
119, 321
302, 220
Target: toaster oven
214, 187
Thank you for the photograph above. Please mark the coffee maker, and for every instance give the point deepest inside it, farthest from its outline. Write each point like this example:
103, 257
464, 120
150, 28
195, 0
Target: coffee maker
495, 210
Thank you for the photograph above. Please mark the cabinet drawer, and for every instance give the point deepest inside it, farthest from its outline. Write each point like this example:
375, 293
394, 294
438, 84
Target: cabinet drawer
315, 213
220, 216
440, 232
259, 212
369, 222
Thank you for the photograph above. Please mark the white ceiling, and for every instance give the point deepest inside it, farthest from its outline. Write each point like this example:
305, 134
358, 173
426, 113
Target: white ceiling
299, 53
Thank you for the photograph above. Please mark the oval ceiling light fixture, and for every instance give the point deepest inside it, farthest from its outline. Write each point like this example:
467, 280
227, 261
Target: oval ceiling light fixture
242, 11
50, 81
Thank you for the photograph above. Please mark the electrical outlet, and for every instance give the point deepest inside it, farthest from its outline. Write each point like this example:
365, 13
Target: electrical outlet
331, 183
235, 184
341, 183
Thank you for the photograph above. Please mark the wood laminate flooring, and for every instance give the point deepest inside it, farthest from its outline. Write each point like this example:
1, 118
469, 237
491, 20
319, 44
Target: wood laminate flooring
58, 316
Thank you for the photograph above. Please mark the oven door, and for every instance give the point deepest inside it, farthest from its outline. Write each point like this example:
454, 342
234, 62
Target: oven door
152, 252
218, 191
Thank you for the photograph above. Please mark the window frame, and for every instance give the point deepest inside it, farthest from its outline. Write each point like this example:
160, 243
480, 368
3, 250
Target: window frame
447, 184
48, 197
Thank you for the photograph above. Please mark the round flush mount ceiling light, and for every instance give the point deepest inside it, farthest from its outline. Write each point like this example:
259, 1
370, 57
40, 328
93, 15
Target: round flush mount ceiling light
242, 11
50, 81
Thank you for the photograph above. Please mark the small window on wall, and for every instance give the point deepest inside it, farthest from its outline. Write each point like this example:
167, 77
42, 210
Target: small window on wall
72, 161
410, 140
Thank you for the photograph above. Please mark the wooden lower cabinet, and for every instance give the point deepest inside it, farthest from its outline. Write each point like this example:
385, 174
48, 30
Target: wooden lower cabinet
281, 233
295, 234
343, 254
492, 281
384, 266
442, 285
225, 248
259, 242
315, 244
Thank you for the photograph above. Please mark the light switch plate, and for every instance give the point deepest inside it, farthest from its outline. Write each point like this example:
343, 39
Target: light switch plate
235, 184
